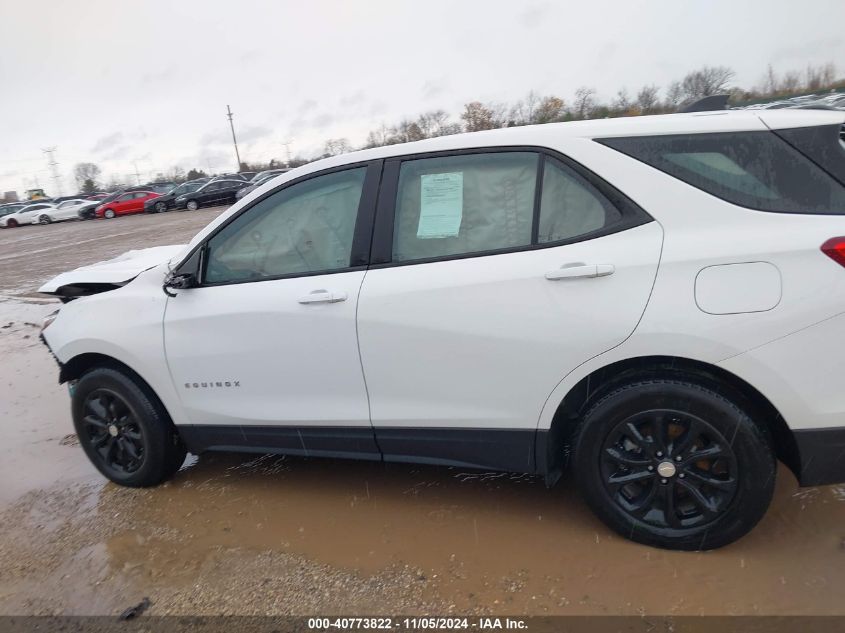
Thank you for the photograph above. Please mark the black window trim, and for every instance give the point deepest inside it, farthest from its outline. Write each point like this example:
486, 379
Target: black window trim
381, 254
361, 237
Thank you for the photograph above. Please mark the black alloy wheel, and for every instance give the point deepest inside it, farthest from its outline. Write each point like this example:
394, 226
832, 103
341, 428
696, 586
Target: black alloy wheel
669, 469
124, 429
112, 430
675, 464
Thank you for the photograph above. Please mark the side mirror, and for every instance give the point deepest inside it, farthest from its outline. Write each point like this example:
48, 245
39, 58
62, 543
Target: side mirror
180, 282
186, 275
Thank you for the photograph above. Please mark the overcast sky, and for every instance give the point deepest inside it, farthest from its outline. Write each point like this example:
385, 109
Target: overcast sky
147, 83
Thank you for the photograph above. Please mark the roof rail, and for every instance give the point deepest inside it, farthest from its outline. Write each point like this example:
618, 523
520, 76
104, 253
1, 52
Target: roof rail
707, 104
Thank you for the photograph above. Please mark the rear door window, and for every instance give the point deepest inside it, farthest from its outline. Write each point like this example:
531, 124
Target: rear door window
464, 204
757, 170
570, 206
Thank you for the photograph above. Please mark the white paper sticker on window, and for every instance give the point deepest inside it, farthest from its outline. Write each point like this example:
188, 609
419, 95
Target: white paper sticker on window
441, 205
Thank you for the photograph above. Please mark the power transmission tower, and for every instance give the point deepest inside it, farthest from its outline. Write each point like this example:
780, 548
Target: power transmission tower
54, 167
234, 139
287, 151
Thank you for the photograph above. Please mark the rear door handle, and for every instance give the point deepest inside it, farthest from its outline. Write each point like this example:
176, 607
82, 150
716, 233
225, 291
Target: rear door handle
576, 271
323, 296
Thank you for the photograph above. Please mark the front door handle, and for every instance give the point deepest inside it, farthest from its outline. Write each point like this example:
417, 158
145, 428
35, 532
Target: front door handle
323, 296
576, 271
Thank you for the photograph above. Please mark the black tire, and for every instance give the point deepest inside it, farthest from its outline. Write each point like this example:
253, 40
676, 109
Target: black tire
124, 429
12, 224
44, 219
160, 207
698, 440
192, 205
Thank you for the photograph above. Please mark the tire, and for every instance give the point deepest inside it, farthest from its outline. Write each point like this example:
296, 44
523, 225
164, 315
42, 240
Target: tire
160, 207
124, 429
44, 219
192, 205
642, 451
12, 224
108, 214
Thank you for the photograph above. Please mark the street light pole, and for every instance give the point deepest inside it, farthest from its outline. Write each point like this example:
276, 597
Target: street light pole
234, 138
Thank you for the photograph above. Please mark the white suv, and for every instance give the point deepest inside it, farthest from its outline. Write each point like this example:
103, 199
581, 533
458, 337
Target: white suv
656, 302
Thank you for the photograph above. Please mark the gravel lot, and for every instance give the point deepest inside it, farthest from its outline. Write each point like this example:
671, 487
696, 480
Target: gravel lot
253, 534
30, 255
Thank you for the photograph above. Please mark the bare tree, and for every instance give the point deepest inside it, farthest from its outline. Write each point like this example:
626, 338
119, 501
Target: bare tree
674, 95
828, 74
647, 100
706, 81
335, 146
622, 102
436, 123
770, 81
477, 116
523, 111
585, 102
791, 82
86, 176
549, 110
407, 131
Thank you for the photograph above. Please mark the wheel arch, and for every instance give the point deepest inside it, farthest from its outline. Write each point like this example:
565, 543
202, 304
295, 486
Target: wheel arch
74, 369
554, 446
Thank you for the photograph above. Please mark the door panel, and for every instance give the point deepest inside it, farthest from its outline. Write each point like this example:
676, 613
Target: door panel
481, 342
265, 354
462, 343
278, 361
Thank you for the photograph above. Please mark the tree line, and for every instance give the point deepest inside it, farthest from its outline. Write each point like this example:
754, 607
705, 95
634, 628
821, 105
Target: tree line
537, 109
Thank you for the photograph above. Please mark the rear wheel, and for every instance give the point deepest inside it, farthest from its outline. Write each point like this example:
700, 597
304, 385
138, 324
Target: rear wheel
44, 219
160, 207
124, 429
675, 465
193, 205
108, 213
12, 223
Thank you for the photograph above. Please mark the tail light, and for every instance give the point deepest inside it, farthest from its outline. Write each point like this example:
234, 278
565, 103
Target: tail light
835, 249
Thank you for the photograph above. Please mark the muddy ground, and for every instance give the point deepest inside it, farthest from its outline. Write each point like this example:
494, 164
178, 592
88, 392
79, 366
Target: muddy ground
253, 534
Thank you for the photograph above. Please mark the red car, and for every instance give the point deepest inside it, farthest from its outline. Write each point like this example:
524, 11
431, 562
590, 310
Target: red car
129, 202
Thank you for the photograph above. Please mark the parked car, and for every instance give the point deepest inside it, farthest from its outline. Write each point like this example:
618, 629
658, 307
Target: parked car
165, 201
229, 177
253, 185
655, 303
247, 175
125, 203
11, 207
212, 193
24, 215
89, 211
159, 187
66, 210
263, 174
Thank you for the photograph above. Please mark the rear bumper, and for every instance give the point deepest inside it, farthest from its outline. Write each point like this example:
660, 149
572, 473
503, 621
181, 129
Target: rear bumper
822, 453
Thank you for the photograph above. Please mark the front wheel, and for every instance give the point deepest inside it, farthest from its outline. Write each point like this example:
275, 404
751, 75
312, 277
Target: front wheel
12, 223
124, 429
193, 205
675, 465
160, 207
108, 214
44, 219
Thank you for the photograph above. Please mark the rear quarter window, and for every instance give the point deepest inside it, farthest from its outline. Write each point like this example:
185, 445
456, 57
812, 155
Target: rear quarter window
757, 170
